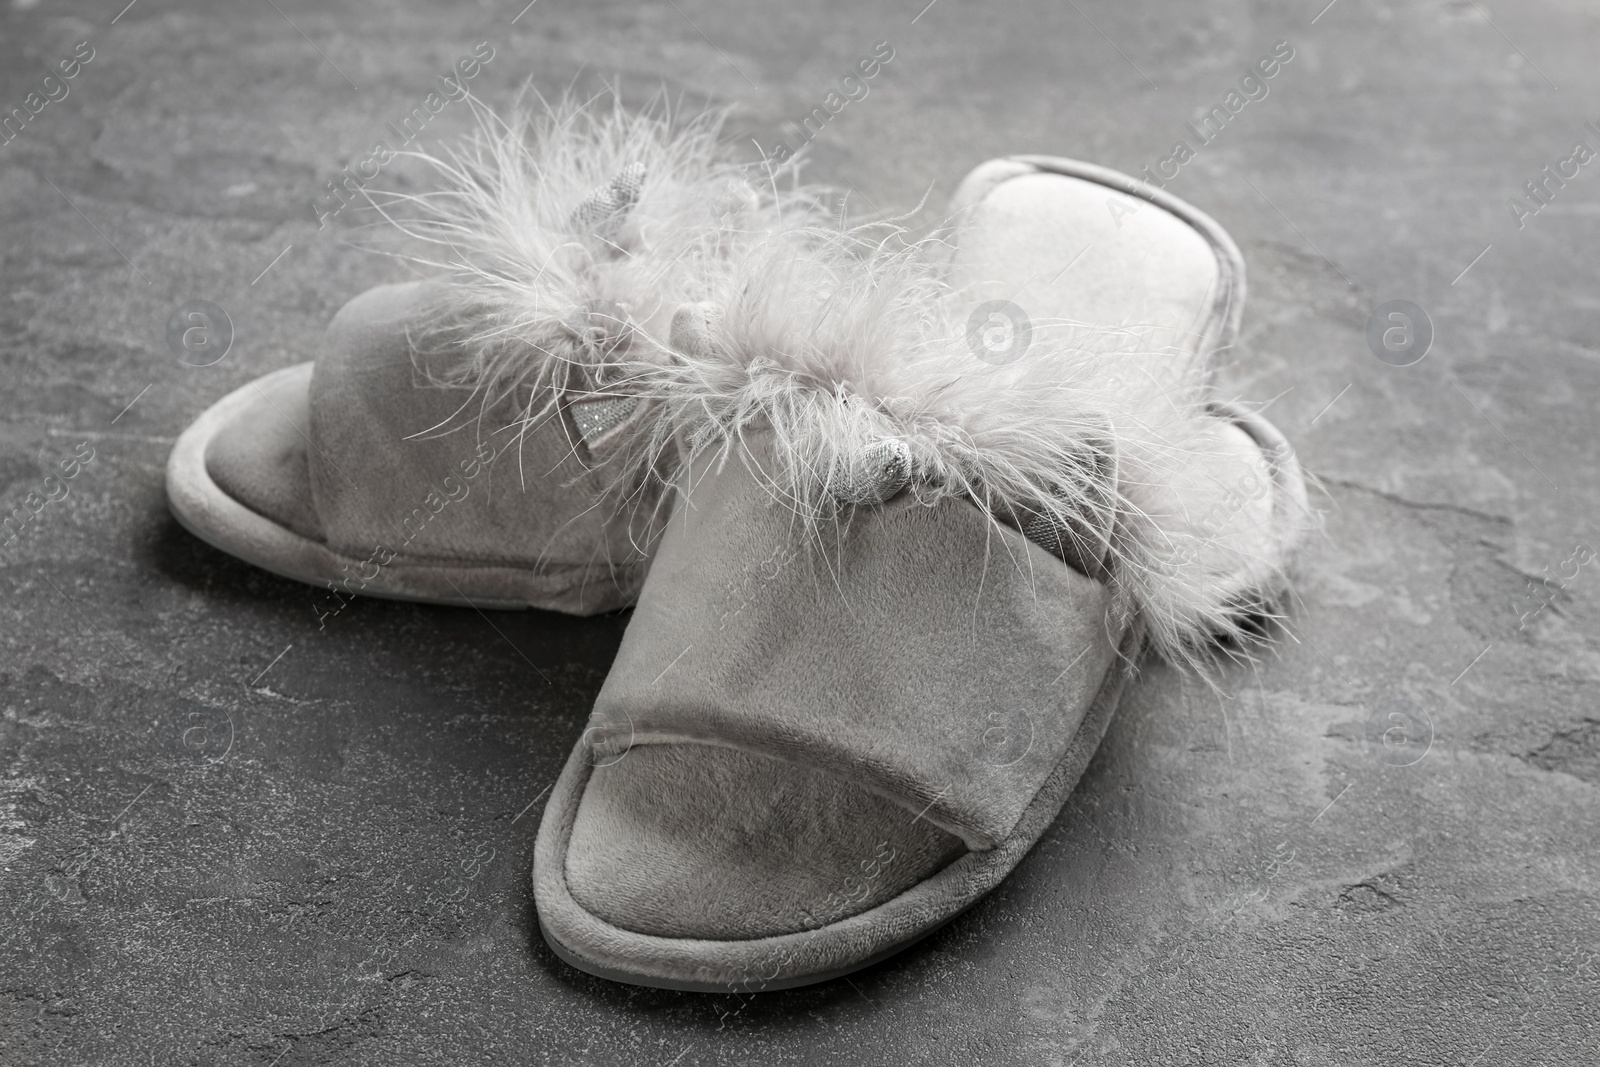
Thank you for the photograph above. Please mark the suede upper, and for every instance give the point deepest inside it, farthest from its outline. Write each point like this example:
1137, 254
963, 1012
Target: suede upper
927, 654
388, 446
363, 473
699, 841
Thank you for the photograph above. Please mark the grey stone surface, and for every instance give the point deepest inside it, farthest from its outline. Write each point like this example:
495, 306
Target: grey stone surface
339, 873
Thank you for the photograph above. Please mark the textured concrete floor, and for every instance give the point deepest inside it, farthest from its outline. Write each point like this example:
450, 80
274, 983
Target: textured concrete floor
339, 873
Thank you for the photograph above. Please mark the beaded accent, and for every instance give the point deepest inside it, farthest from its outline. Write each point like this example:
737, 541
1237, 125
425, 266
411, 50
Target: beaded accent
875, 474
602, 211
597, 418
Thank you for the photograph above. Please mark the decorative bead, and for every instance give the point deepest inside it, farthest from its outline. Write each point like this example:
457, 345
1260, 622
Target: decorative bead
602, 211
875, 474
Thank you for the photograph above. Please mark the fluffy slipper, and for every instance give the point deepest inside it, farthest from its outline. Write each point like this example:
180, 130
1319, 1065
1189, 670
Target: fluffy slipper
445, 443
890, 620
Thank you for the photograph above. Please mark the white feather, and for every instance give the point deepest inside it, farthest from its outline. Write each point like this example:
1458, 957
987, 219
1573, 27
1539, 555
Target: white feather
831, 344
829, 340
571, 233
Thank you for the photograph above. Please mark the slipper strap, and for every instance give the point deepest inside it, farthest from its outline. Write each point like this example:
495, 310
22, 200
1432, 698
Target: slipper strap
403, 467
923, 653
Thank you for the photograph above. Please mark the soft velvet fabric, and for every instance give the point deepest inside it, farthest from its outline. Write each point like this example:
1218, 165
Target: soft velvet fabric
359, 473
824, 754
790, 736
927, 655
696, 841
381, 455
751, 964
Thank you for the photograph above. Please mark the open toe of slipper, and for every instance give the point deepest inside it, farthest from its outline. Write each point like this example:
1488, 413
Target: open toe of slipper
784, 778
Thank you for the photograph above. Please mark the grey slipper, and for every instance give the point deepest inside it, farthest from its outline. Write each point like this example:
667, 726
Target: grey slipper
445, 444
829, 732
355, 472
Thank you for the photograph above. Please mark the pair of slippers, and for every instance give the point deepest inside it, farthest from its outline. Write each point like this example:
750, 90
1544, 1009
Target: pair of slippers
898, 522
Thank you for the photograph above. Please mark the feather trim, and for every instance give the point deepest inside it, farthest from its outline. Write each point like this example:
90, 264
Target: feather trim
856, 361
571, 233
598, 253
